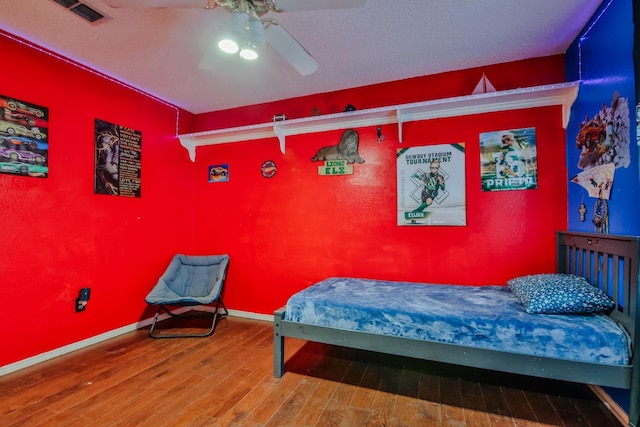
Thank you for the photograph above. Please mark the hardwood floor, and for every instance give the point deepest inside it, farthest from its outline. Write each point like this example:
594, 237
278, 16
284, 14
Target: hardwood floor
226, 380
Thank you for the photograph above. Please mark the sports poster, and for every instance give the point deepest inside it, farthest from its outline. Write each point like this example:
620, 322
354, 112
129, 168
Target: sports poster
431, 185
118, 154
508, 160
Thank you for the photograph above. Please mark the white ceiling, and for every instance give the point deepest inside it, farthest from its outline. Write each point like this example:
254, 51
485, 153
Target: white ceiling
158, 50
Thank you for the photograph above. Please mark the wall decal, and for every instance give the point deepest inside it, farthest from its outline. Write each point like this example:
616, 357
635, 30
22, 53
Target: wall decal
269, 169
508, 160
24, 146
347, 149
431, 185
219, 173
605, 138
118, 155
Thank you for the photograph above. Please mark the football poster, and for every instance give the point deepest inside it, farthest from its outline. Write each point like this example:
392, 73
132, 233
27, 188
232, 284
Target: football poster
508, 160
431, 185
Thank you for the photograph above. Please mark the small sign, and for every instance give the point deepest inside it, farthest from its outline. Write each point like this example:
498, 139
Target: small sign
335, 167
268, 169
219, 173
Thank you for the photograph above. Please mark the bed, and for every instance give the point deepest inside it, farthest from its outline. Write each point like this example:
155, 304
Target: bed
489, 327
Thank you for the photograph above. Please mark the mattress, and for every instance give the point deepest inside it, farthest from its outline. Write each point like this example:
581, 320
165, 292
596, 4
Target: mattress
489, 317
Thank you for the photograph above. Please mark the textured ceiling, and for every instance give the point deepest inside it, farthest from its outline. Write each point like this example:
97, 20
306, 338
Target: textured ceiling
158, 50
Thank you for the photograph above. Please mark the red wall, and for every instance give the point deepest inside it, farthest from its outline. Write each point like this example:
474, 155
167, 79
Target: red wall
282, 233
289, 231
58, 236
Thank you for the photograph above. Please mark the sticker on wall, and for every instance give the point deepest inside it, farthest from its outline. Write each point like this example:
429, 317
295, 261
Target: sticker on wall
24, 146
268, 169
219, 173
431, 185
118, 154
508, 160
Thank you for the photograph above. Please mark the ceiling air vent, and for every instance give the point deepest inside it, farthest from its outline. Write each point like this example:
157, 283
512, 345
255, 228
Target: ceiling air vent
84, 11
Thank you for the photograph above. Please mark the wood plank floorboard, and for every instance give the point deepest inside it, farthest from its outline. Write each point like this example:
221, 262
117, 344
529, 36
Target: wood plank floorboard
226, 380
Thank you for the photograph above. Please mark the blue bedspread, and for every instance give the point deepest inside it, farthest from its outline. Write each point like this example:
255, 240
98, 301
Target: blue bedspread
476, 316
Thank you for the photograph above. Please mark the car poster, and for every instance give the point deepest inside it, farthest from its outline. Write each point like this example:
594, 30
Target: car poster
508, 160
24, 146
218, 173
117, 160
431, 185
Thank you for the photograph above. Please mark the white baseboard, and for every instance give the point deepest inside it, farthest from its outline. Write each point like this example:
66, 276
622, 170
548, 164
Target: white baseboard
43, 357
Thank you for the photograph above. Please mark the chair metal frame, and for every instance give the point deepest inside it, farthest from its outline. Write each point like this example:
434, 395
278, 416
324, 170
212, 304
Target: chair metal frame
213, 315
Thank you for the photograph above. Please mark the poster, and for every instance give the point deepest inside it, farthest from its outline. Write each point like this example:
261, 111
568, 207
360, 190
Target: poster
431, 185
24, 146
219, 173
508, 160
117, 160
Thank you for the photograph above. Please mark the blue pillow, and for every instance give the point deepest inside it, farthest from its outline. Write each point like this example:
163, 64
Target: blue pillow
559, 293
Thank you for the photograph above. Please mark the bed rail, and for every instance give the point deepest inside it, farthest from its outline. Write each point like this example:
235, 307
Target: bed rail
609, 262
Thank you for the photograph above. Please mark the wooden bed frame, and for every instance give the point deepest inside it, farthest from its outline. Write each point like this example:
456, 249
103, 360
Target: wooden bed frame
608, 261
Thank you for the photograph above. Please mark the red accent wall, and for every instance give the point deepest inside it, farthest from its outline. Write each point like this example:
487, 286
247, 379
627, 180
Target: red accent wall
58, 236
286, 232
282, 233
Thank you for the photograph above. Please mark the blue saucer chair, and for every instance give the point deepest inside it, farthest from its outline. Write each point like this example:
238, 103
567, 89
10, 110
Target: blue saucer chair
190, 281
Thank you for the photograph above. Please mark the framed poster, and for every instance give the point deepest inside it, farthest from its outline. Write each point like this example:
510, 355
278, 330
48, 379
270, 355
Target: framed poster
24, 141
219, 173
117, 160
431, 185
508, 160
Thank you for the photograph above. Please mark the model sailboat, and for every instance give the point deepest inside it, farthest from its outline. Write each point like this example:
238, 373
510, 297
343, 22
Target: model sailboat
483, 86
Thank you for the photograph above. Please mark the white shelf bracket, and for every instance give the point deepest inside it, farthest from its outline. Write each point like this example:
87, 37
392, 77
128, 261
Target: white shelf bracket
282, 135
399, 119
191, 148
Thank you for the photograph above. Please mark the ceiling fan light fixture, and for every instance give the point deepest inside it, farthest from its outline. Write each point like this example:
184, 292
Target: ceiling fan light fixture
248, 53
228, 46
233, 33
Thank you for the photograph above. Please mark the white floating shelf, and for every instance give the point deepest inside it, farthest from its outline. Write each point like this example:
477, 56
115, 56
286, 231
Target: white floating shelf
538, 96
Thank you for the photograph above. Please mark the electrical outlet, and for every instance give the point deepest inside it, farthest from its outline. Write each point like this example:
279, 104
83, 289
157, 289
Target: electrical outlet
83, 298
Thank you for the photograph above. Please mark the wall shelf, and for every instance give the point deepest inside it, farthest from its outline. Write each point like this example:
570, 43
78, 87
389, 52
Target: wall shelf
563, 94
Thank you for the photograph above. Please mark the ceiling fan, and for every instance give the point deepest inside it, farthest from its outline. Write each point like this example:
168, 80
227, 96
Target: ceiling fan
248, 29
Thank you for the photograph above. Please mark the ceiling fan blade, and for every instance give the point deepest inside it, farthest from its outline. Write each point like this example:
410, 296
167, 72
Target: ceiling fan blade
294, 5
142, 4
291, 50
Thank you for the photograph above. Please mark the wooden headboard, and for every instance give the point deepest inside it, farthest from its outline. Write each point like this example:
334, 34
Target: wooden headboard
607, 261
